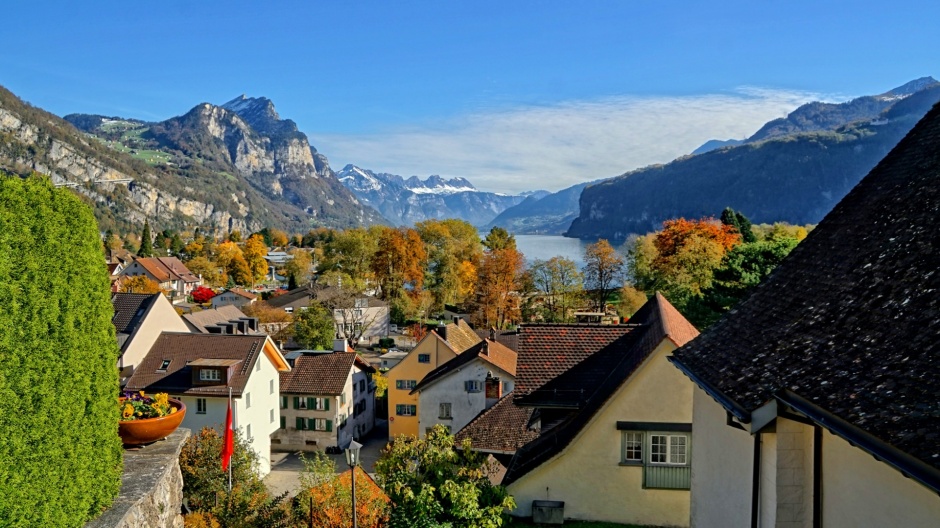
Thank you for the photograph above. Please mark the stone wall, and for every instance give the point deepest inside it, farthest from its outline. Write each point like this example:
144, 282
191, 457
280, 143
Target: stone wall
151, 487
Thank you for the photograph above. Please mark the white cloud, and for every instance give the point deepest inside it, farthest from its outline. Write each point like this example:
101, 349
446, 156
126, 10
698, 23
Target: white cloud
553, 147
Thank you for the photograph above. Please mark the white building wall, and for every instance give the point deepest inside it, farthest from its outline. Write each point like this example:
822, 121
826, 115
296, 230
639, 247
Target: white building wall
264, 413
161, 317
465, 406
861, 492
722, 460
363, 423
229, 299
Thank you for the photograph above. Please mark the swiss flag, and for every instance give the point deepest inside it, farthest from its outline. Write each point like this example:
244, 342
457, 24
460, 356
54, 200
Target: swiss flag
228, 446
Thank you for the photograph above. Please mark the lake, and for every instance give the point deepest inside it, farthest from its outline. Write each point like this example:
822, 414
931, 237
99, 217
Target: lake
544, 247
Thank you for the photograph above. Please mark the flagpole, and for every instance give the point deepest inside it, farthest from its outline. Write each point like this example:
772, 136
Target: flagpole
233, 427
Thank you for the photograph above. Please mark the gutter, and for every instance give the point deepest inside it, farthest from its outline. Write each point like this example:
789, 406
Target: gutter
730, 405
909, 466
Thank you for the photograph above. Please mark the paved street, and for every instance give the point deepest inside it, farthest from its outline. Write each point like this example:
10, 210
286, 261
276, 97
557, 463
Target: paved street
286, 467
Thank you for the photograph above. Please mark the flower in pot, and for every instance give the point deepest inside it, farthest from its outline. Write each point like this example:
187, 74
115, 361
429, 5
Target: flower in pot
146, 419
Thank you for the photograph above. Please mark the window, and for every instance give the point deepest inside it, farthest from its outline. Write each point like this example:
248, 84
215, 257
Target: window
165, 365
283, 402
362, 385
248, 433
248, 400
342, 398
445, 412
405, 384
200, 406
632, 447
271, 386
669, 449
258, 366
474, 385
406, 410
271, 412
210, 375
424, 358
283, 422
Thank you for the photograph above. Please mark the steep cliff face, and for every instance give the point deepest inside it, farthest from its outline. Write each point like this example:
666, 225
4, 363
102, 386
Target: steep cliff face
208, 168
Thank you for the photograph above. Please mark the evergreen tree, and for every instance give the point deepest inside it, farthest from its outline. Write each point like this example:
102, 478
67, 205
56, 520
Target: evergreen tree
744, 227
146, 244
59, 448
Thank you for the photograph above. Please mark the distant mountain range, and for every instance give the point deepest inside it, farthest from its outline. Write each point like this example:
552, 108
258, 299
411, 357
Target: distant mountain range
235, 166
793, 169
408, 201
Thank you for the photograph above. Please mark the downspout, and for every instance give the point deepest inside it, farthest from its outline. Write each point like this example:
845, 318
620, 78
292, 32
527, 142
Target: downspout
817, 476
755, 483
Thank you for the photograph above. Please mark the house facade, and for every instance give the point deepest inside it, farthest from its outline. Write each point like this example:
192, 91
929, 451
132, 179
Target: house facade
817, 397
435, 349
457, 391
139, 319
169, 272
327, 399
202, 369
236, 297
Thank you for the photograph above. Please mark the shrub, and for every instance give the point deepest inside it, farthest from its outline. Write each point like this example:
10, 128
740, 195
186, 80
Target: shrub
386, 342
59, 448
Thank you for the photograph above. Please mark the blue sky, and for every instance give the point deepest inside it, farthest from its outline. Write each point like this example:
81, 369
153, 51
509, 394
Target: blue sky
511, 95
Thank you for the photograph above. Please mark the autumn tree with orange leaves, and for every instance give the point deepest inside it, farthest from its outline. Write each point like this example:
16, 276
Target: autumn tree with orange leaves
497, 302
326, 497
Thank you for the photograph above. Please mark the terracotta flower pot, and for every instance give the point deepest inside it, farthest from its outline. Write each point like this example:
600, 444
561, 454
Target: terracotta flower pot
147, 430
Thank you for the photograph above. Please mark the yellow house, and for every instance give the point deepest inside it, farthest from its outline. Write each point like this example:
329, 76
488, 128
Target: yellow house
614, 430
818, 398
435, 349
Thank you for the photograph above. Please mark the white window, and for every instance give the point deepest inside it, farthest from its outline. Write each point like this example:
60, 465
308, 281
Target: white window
200, 406
271, 386
474, 386
210, 375
669, 449
632, 447
258, 365
319, 424
248, 432
445, 411
248, 400
271, 413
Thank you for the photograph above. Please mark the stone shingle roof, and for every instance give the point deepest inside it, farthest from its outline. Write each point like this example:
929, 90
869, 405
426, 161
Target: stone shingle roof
850, 320
296, 294
322, 374
182, 348
129, 309
487, 351
203, 318
503, 428
584, 388
460, 336
507, 338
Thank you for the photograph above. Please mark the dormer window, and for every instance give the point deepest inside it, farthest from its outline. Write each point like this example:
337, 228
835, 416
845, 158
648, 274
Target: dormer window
165, 365
210, 375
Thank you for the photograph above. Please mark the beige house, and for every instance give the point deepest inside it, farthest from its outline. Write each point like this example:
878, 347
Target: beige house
236, 297
139, 319
613, 431
327, 399
169, 272
818, 398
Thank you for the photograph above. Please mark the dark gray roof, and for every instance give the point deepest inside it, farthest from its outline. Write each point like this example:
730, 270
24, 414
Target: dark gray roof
850, 320
129, 310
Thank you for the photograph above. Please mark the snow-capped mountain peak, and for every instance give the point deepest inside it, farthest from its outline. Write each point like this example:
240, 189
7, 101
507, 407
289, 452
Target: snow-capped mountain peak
434, 184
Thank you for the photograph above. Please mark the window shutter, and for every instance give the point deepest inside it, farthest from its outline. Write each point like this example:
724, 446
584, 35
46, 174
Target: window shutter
312, 424
311, 403
466, 385
329, 426
283, 422
300, 424
297, 402
326, 404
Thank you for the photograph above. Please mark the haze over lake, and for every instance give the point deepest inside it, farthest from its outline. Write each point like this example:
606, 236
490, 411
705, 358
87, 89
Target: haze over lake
544, 247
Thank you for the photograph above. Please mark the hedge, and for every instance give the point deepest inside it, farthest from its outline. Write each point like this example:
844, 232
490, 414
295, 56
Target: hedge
59, 450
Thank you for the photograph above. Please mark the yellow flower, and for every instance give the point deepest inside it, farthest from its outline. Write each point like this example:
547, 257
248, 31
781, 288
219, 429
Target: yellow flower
128, 411
172, 410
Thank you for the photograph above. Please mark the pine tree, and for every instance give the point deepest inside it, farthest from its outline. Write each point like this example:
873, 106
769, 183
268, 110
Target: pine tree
744, 227
146, 244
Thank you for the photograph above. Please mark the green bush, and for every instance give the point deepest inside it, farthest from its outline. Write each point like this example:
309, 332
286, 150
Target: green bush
386, 342
59, 449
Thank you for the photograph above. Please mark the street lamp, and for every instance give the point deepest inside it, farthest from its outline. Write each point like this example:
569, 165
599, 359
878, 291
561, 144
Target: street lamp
352, 458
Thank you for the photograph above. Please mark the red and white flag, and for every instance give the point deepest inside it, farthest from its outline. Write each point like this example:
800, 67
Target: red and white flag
228, 446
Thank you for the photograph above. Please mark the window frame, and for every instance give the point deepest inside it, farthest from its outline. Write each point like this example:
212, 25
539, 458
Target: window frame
424, 358
201, 406
442, 406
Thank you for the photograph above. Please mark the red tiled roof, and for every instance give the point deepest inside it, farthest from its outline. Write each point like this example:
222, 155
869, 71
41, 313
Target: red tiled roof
324, 374
154, 268
486, 350
243, 293
502, 428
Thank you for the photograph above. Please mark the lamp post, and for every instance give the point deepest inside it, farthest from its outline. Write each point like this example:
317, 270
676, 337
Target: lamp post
352, 458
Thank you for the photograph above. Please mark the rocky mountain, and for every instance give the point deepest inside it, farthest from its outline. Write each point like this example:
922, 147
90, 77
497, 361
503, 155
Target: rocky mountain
208, 168
408, 201
792, 170
542, 213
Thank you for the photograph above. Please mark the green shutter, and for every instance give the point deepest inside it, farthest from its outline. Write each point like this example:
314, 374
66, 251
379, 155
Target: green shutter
297, 402
311, 403
329, 426
300, 424
283, 422
283, 402
312, 424
326, 404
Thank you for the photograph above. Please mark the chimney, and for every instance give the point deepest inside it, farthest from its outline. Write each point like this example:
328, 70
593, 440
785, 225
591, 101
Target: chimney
485, 350
492, 334
442, 330
339, 345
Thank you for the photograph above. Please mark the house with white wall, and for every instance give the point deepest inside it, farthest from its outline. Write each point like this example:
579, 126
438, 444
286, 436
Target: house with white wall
598, 420
327, 399
169, 272
202, 369
236, 297
818, 396
457, 391
138, 320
